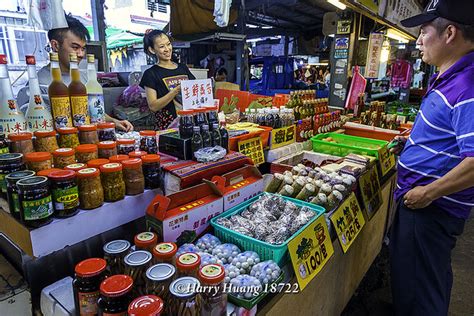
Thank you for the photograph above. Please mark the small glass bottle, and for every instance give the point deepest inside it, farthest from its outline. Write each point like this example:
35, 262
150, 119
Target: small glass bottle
63, 157
196, 141
45, 141
224, 136
206, 136
114, 253
214, 303
215, 135
159, 278
188, 264
89, 274
115, 295
136, 265
165, 253
185, 124
86, 152
147, 305
212, 116
38, 161
107, 149
21, 142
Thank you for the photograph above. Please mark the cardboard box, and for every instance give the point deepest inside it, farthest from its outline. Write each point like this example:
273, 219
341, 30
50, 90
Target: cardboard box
238, 186
184, 215
287, 163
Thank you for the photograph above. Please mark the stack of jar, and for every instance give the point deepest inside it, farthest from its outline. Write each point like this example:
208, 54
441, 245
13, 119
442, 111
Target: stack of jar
271, 117
327, 122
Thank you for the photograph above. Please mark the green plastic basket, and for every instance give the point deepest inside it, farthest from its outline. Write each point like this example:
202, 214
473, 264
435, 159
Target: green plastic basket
266, 251
347, 145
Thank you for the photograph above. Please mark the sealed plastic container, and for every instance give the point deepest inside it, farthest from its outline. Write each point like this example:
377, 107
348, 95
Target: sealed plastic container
35, 201
213, 302
45, 141
65, 193
148, 142
106, 131
114, 253
118, 158
38, 161
137, 154
112, 182
115, 295
88, 134
21, 142
188, 264
186, 123
165, 253
96, 163
159, 278
145, 241
107, 149
147, 305
136, 265
12, 190
125, 146
76, 167
91, 194
184, 299
133, 176
46, 172
89, 274
68, 137
63, 157
151, 171
9, 163
86, 152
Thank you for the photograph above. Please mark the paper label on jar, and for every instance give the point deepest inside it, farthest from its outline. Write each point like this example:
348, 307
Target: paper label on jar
79, 110
96, 108
164, 247
65, 199
16, 203
61, 108
146, 236
38, 209
188, 258
3, 183
88, 303
211, 270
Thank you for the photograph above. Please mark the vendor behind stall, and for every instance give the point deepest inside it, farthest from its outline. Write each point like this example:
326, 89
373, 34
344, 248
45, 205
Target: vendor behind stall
162, 80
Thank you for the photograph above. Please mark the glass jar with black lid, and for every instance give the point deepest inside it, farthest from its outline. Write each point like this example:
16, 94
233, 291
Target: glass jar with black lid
12, 190
65, 193
35, 201
115, 295
9, 163
136, 265
89, 274
159, 278
114, 253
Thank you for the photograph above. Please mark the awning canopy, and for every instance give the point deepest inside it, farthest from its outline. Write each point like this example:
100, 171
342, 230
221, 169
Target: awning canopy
117, 38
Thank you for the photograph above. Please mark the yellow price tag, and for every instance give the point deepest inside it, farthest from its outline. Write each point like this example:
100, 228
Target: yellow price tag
370, 188
253, 149
386, 160
283, 136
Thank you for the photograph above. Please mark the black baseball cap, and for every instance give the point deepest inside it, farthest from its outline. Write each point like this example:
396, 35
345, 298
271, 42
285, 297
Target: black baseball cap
460, 11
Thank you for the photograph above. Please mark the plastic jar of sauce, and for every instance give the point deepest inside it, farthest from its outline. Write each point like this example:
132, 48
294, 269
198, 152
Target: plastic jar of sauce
213, 302
91, 193
114, 253
118, 158
46, 172
133, 176
45, 141
147, 305
136, 264
151, 171
9, 163
148, 142
63, 157
38, 161
137, 154
106, 131
86, 152
21, 142
188, 264
165, 253
12, 190
35, 201
96, 163
68, 137
65, 193
125, 146
107, 149
89, 274
115, 295
88, 134
112, 182
145, 241
159, 278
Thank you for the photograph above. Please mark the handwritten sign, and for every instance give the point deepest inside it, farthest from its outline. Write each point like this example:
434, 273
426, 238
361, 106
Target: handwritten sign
283, 136
386, 160
370, 188
253, 149
348, 221
196, 93
373, 55
310, 251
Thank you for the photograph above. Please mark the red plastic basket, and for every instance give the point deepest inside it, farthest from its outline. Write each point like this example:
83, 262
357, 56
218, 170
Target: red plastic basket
264, 135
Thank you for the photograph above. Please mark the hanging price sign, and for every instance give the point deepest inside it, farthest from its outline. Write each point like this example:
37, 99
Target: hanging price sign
253, 149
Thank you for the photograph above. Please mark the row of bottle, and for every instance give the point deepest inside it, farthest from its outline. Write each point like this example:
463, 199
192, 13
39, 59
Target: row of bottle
76, 104
204, 138
271, 117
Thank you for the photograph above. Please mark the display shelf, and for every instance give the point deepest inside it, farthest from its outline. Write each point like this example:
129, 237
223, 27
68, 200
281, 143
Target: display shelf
69, 231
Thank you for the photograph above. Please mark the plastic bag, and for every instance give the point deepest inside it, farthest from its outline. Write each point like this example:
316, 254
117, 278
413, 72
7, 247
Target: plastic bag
249, 286
266, 272
187, 248
133, 96
210, 154
245, 261
207, 258
231, 272
226, 252
207, 242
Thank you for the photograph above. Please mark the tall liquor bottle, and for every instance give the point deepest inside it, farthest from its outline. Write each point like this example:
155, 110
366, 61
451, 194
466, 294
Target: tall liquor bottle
59, 95
38, 116
78, 94
95, 93
11, 118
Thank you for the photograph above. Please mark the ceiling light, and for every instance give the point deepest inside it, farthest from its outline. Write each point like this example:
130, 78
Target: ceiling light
338, 4
394, 34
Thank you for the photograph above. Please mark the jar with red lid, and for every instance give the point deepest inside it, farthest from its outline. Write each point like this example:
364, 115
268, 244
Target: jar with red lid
86, 152
63, 157
38, 161
133, 176
45, 141
165, 253
107, 148
125, 145
76, 167
214, 302
89, 274
96, 163
65, 192
112, 181
147, 305
21, 142
137, 154
145, 241
186, 123
91, 194
188, 264
68, 137
148, 142
118, 158
46, 172
106, 131
115, 295
152, 171
88, 134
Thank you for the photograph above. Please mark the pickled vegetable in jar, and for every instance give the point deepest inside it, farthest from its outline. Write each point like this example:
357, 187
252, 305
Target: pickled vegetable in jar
136, 265
38, 161
133, 176
86, 152
188, 264
89, 274
12, 190
91, 194
151, 171
118, 158
148, 142
106, 131
184, 300
115, 295
35, 201
88, 134
125, 146
9, 163
68, 137
21, 142
214, 302
145, 241
147, 305
159, 278
65, 193
165, 253
107, 149
46, 172
63, 157
186, 123
114, 253
112, 182
137, 154
96, 163
76, 167
45, 141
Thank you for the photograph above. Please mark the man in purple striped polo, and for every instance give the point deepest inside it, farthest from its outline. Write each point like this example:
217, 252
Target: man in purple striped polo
435, 184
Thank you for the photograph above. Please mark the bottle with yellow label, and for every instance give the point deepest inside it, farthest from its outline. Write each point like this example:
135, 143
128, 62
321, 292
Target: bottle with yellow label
59, 95
77, 94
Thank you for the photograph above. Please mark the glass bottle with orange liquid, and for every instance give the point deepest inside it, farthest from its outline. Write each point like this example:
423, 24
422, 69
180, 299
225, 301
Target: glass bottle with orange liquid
78, 94
59, 95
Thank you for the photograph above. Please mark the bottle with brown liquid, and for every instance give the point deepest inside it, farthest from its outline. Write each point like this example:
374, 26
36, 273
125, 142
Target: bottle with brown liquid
59, 95
78, 94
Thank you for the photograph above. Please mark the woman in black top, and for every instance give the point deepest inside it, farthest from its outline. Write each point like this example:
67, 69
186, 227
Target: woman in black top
162, 80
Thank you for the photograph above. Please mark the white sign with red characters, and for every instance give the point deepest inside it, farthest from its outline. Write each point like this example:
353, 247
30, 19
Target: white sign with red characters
197, 93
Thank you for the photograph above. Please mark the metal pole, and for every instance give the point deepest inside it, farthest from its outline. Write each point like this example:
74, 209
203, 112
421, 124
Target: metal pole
98, 19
